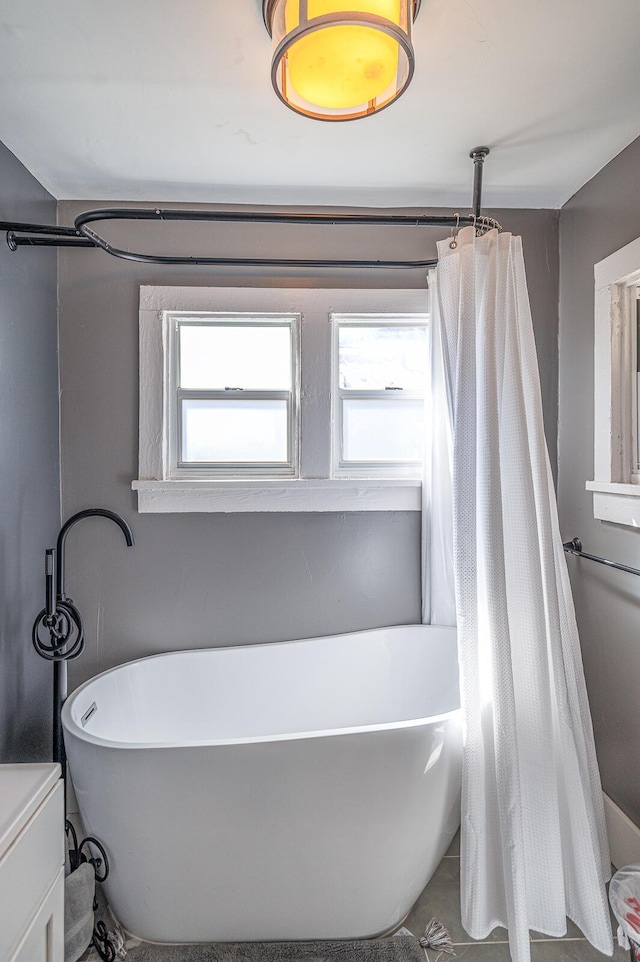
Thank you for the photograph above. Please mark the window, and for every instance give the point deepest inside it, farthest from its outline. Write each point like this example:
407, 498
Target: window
635, 320
265, 399
232, 395
616, 486
379, 377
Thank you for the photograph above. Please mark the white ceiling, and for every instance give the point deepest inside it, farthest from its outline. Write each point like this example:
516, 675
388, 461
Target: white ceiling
171, 100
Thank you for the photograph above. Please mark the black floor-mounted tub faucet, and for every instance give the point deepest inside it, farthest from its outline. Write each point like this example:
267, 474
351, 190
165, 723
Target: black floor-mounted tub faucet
61, 621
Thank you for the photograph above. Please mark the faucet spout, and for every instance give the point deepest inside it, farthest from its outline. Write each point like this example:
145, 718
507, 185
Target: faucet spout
64, 530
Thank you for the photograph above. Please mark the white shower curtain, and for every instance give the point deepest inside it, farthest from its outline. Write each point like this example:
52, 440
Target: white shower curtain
534, 845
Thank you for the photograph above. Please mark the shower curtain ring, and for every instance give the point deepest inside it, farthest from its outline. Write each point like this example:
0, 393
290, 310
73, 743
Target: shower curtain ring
454, 233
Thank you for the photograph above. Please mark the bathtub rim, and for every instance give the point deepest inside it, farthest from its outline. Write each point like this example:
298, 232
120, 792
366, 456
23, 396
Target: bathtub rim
74, 729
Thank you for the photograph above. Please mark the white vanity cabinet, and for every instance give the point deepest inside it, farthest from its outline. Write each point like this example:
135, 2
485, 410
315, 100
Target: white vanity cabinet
31, 863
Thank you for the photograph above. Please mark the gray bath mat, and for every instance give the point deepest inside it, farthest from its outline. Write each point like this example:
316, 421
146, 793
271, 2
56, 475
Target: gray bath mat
401, 948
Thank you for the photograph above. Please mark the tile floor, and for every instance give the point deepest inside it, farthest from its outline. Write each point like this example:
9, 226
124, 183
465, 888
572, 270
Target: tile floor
441, 899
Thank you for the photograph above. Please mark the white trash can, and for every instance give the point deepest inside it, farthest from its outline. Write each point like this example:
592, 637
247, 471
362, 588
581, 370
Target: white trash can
624, 895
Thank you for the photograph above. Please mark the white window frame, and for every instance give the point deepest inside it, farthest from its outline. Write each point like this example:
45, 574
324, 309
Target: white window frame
616, 484
341, 469
175, 468
314, 489
635, 385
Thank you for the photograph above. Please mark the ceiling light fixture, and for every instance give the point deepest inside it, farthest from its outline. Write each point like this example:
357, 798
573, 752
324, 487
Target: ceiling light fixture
340, 59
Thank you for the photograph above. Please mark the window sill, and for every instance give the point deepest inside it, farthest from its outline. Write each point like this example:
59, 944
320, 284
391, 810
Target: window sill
203, 497
616, 502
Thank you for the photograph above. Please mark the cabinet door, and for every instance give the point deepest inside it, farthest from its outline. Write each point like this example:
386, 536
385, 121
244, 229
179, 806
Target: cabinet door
29, 868
44, 939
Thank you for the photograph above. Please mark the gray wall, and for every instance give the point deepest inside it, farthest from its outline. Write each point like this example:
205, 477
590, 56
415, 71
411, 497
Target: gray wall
199, 580
602, 217
29, 466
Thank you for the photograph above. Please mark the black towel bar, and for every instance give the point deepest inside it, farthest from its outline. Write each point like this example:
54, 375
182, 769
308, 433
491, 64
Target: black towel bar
575, 547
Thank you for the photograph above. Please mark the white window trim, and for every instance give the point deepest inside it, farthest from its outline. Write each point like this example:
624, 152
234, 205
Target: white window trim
615, 497
314, 490
285, 495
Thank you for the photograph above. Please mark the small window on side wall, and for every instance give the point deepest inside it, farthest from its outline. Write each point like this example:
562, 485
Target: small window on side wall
616, 484
232, 396
380, 370
635, 321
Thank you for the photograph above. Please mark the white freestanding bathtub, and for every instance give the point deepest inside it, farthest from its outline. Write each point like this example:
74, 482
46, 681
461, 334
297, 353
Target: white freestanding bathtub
297, 790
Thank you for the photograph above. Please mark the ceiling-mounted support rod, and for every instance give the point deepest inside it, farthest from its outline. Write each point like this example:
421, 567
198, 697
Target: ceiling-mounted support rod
478, 156
82, 234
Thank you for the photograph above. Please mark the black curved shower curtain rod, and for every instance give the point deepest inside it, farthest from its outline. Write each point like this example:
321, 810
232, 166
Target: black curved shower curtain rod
82, 233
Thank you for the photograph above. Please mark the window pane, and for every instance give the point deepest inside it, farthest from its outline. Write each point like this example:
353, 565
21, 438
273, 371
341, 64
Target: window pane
381, 430
374, 358
215, 357
236, 431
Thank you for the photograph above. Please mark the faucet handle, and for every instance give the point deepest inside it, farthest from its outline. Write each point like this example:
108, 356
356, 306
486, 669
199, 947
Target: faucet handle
50, 584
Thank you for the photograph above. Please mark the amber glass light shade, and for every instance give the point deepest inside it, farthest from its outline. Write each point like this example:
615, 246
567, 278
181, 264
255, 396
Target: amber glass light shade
340, 59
